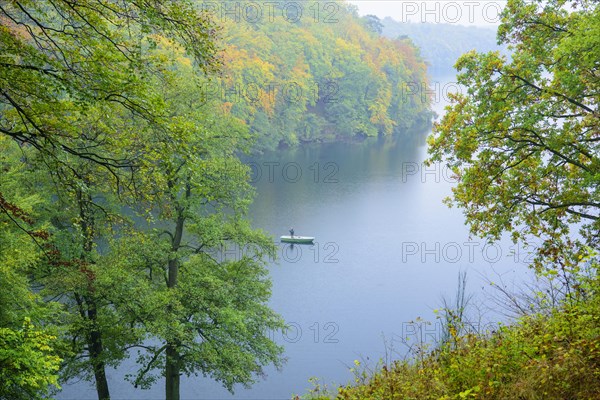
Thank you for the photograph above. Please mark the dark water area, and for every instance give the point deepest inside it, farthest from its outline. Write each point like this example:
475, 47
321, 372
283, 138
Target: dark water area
386, 250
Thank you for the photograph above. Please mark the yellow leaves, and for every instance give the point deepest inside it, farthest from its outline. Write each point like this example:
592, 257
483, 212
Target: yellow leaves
185, 61
226, 107
469, 393
301, 71
168, 55
30, 360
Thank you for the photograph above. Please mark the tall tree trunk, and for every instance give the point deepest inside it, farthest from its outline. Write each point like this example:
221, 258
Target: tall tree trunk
96, 350
94, 337
172, 373
172, 366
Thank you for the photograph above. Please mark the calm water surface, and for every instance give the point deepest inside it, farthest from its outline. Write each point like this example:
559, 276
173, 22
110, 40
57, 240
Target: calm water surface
386, 250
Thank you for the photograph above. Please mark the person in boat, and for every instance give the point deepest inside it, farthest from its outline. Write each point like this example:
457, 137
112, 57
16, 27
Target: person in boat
292, 232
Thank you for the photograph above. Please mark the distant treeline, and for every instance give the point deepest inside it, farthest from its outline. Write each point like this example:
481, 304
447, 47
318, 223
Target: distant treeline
442, 44
316, 74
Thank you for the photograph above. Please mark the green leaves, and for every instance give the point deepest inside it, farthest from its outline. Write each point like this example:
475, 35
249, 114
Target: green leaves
523, 140
28, 362
315, 80
101, 115
64, 63
163, 277
543, 355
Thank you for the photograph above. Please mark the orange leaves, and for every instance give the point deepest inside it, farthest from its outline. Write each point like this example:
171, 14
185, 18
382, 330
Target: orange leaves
288, 78
226, 107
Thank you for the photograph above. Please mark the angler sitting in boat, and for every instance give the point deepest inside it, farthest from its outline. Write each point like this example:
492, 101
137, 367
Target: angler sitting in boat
296, 239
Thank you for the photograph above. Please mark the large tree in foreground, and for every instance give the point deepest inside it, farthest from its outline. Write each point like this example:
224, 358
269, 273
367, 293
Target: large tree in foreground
523, 139
109, 122
202, 313
61, 63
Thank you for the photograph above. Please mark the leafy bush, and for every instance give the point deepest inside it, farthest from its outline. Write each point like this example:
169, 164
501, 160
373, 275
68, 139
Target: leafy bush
28, 363
539, 356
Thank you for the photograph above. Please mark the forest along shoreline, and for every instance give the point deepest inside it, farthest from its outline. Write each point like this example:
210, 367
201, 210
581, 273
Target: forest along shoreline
121, 128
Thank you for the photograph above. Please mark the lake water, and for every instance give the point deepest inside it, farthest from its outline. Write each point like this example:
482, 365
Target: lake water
386, 250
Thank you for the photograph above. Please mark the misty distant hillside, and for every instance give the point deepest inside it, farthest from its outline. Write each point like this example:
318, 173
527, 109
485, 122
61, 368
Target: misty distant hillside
442, 44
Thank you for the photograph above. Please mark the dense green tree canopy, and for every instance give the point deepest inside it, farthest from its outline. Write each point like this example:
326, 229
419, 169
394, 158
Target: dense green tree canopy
61, 58
102, 125
209, 314
28, 363
524, 138
321, 75
28, 359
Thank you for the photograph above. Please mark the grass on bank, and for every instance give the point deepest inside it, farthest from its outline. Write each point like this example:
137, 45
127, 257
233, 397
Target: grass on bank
551, 355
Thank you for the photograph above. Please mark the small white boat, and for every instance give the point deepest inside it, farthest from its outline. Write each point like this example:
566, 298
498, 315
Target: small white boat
297, 239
